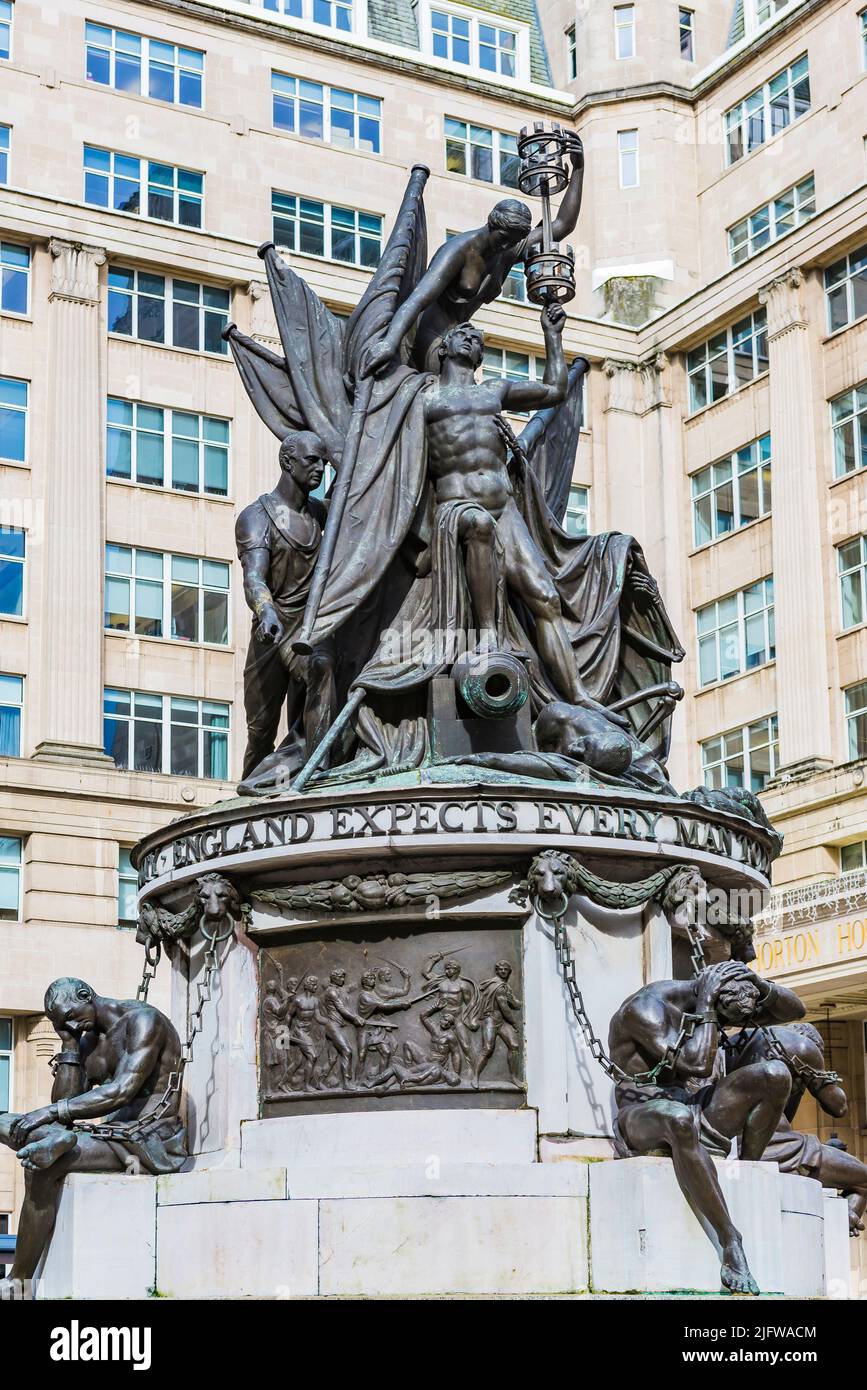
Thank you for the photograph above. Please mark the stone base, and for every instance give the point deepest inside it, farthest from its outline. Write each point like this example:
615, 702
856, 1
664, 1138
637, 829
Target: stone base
82, 754
350, 1225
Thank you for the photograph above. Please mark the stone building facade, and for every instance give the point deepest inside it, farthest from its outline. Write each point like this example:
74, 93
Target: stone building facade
147, 149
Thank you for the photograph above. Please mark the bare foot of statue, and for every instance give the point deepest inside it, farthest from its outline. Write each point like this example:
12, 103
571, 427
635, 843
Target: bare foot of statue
47, 1150
735, 1272
856, 1225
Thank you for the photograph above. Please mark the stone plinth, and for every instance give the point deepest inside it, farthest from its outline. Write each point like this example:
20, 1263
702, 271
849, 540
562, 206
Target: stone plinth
444, 1228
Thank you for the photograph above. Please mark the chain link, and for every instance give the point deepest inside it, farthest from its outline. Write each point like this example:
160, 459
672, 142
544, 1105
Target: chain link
812, 1077
138, 1129
611, 1069
153, 952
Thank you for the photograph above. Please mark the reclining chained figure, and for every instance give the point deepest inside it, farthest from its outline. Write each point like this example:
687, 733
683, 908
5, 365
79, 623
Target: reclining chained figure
666, 1038
118, 1063
802, 1048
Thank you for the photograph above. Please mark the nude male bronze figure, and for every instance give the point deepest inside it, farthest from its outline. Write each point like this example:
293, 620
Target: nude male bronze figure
682, 1111
114, 1068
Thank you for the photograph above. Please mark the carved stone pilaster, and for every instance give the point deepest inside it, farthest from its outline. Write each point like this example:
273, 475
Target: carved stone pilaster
75, 271
69, 722
263, 324
783, 300
636, 387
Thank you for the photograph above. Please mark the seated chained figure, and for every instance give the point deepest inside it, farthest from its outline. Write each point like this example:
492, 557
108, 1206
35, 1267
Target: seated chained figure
118, 1065
666, 1038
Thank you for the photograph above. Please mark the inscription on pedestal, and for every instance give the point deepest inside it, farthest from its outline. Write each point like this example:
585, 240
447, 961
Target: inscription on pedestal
398, 1020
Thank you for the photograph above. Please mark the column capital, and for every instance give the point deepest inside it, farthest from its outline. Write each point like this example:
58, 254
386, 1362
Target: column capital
263, 324
636, 387
782, 297
75, 271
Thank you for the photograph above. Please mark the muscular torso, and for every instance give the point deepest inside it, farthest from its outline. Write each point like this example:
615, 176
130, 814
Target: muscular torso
638, 1050
108, 1057
466, 451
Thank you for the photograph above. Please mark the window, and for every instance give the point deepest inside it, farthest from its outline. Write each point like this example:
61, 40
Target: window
348, 119
732, 492
11, 572
624, 31
746, 757
849, 430
502, 364
479, 153
863, 18
768, 110
736, 633
156, 309
773, 220
333, 14
6, 11
114, 181
627, 157
5, 1074
10, 879
167, 448
127, 888
846, 289
577, 519
151, 594
13, 419
852, 569
853, 858
856, 719
685, 34
164, 733
571, 53
515, 286
727, 361
11, 706
14, 278
322, 229
485, 43
5, 147
147, 67
766, 8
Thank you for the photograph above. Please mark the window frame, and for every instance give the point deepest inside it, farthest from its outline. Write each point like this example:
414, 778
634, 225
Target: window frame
167, 583
854, 267
801, 212
572, 53
15, 560
771, 721
624, 153
625, 26
16, 867
147, 186
762, 464
170, 303
5, 153
357, 13
328, 107
581, 508
166, 724
8, 1055
850, 716
498, 154
16, 270
10, 407
7, 22
144, 65
18, 705
767, 611
125, 876
686, 28
328, 229
475, 19
168, 436
747, 113
733, 381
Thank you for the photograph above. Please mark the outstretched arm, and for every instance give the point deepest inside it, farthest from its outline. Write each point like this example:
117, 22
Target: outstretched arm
551, 390
443, 269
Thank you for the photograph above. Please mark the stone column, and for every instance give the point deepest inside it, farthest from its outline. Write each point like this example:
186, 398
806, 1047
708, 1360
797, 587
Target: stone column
71, 612
797, 509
